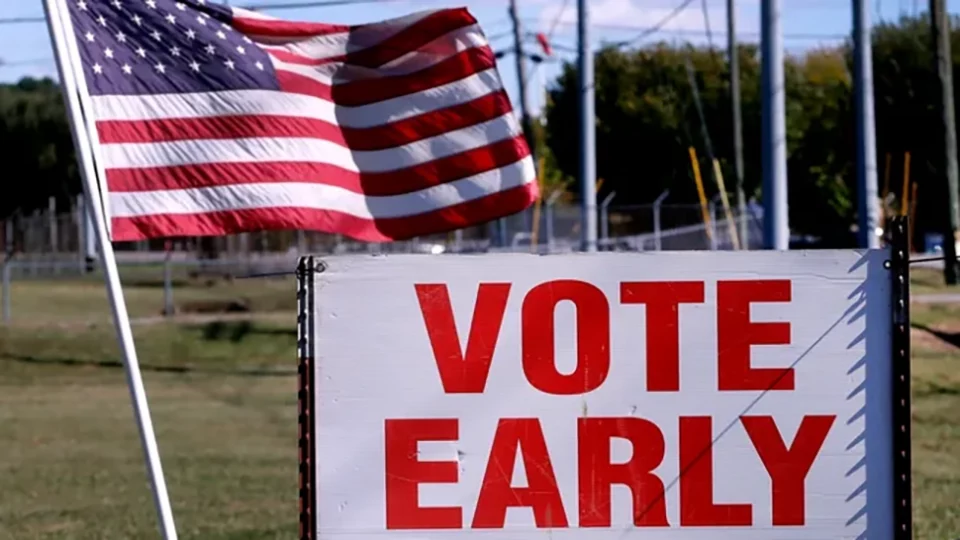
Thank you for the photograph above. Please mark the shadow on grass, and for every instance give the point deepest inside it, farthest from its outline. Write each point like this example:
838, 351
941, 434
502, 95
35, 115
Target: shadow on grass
113, 364
951, 338
933, 389
155, 283
236, 332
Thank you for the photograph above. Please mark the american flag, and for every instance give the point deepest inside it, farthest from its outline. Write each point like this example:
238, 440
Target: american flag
215, 120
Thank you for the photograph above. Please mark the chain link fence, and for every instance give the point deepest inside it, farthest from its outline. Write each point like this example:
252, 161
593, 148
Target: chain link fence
50, 245
51, 242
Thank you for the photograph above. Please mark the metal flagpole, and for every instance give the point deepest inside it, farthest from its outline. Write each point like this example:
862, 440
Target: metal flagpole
776, 229
868, 207
58, 23
588, 146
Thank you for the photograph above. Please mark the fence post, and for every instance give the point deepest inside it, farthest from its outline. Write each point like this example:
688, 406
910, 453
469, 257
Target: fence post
605, 219
548, 214
302, 243
457, 240
656, 219
7, 292
52, 224
168, 308
9, 239
80, 215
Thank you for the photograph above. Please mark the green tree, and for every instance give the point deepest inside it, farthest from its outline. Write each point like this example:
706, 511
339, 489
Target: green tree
38, 149
647, 120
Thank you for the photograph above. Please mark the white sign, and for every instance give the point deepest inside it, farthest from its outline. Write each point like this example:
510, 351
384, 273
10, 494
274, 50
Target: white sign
691, 395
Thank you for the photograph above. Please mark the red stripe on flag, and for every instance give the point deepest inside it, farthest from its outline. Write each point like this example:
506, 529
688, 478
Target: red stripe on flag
366, 91
409, 39
408, 180
380, 230
282, 28
358, 139
413, 37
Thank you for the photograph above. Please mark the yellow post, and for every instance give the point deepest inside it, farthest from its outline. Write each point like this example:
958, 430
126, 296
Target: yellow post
535, 233
731, 226
905, 196
703, 196
913, 216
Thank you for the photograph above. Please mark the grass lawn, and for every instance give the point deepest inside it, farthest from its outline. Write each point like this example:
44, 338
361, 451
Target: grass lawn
71, 301
936, 421
223, 400
928, 280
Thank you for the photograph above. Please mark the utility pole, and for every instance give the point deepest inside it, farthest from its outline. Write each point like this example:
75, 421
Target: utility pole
523, 82
940, 25
868, 207
522, 77
588, 133
737, 120
776, 228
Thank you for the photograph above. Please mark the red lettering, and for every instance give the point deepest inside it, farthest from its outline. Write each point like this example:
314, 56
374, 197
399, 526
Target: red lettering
593, 337
404, 473
697, 508
736, 333
541, 493
788, 467
597, 474
463, 373
663, 299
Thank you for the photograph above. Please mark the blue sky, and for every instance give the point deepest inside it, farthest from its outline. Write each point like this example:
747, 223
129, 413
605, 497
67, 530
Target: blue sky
25, 48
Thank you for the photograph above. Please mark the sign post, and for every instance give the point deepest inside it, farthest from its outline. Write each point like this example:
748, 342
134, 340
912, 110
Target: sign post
690, 395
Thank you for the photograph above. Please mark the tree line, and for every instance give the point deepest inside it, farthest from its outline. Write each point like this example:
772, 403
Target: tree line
646, 119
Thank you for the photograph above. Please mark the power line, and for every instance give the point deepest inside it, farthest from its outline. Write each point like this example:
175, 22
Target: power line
22, 20
660, 24
706, 23
553, 28
34, 61
698, 33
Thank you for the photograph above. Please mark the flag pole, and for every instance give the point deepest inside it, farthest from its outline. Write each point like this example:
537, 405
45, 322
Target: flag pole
68, 66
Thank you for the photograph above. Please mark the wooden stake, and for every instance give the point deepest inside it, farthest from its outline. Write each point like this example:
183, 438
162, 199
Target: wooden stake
886, 190
905, 196
700, 192
913, 216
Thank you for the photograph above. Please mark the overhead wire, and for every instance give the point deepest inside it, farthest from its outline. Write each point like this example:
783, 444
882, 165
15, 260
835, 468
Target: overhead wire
553, 28
692, 32
706, 23
659, 25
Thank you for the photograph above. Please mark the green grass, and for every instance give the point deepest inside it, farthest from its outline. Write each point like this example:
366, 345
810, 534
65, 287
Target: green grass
223, 400
936, 443
84, 301
928, 280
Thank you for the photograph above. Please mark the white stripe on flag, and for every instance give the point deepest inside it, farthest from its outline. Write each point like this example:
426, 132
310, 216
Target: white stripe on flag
270, 102
427, 56
295, 149
321, 197
346, 42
